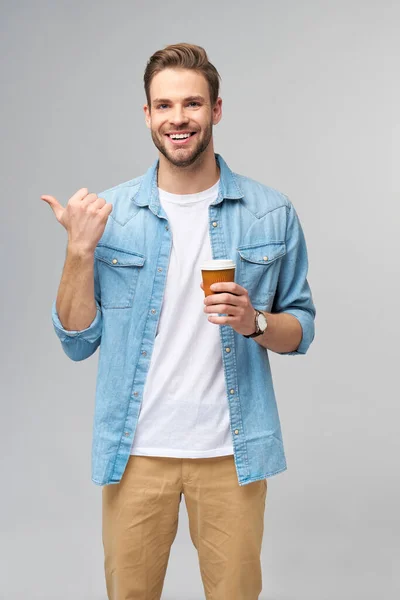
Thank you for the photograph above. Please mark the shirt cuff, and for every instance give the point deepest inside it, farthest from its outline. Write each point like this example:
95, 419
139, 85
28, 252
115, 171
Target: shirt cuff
90, 334
307, 325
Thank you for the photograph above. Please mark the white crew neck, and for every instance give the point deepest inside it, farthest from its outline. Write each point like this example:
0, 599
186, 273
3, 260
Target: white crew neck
189, 198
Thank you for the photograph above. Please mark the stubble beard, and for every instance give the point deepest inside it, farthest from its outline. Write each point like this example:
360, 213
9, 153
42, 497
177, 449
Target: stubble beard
188, 160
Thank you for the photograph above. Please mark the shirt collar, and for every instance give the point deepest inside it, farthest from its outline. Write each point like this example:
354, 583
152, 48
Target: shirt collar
147, 194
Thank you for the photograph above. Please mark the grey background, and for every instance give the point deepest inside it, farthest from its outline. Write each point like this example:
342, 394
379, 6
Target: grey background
311, 94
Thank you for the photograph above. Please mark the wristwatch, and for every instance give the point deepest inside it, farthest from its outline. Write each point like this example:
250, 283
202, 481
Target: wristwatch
260, 323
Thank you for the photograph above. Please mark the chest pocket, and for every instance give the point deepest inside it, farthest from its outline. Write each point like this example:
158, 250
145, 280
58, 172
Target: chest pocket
118, 272
258, 271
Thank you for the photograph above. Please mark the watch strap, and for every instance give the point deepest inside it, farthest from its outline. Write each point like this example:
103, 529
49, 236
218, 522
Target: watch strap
257, 331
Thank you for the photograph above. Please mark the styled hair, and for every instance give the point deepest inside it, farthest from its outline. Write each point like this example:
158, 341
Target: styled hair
182, 56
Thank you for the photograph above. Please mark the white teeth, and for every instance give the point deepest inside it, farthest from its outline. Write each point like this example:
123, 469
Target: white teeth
180, 136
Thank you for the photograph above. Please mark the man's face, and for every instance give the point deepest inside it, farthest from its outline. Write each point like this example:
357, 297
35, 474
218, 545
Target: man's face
180, 104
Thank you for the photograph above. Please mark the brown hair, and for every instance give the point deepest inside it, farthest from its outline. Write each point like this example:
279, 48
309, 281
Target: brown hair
182, 56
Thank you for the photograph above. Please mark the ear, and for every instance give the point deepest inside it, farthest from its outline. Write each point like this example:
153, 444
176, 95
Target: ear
147, 115
217, 111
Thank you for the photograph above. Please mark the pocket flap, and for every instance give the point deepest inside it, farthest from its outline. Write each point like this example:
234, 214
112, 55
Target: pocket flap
262, 254
119, 258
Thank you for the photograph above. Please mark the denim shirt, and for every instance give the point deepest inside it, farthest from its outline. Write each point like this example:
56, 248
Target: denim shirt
252, 224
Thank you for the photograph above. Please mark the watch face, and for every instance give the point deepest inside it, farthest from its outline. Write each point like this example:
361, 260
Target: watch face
262, 322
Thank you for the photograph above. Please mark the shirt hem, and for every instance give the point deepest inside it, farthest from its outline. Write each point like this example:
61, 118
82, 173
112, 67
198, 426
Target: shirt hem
181, 453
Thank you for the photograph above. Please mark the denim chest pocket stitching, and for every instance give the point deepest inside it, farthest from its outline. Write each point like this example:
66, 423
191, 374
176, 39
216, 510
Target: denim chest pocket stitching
258, 271
262, 254
118, 272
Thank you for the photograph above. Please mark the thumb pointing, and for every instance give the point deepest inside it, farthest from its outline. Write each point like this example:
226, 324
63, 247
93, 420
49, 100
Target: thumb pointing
54, 205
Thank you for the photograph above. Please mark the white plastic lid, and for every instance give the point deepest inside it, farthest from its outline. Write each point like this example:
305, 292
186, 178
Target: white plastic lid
217, 265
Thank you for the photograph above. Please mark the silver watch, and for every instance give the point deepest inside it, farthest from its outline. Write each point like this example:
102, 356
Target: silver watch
261, 324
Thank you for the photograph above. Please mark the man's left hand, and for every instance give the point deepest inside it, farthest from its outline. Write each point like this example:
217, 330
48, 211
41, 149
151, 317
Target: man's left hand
232, 300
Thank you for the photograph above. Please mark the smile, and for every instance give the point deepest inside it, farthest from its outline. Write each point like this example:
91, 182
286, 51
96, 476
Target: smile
180, 138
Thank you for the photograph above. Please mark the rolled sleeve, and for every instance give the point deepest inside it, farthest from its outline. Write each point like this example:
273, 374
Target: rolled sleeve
293, 295
79, 345
306, 321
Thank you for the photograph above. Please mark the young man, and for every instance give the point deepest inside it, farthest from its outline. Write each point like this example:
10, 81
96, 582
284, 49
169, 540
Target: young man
185, 402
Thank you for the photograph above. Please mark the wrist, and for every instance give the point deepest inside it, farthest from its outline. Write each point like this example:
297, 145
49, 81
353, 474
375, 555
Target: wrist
260, 324
83, 253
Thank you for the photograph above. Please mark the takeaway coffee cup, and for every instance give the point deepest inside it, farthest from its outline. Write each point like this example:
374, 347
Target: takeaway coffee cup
215, 271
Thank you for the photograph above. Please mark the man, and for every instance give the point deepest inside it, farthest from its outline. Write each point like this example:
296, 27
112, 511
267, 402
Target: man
184, 402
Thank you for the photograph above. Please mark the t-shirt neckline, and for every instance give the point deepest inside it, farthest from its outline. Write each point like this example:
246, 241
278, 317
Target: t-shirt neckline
189, 198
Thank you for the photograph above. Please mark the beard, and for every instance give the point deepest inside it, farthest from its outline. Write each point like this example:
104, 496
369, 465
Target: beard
181, 157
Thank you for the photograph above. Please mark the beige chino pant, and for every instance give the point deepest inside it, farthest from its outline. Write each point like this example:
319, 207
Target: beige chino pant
140, 521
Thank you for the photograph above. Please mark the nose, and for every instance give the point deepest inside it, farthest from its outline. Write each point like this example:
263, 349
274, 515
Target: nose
178, 116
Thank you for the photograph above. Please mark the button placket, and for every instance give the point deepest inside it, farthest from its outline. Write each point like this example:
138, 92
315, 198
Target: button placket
217, 246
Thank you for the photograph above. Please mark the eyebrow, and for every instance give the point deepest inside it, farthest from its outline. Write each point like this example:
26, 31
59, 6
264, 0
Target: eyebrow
188, 99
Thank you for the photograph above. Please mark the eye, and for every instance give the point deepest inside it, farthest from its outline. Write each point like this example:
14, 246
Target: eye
161, 106
194, 103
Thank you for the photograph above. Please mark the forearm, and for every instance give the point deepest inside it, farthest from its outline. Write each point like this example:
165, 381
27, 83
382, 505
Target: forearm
75, 304
283, 334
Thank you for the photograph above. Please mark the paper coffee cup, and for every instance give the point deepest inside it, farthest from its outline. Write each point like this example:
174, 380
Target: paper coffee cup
215, 271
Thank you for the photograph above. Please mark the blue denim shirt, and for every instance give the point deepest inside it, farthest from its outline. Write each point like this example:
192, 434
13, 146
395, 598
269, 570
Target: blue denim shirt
252, 224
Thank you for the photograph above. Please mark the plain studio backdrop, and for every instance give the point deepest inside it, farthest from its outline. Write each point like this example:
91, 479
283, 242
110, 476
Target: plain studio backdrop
311, 97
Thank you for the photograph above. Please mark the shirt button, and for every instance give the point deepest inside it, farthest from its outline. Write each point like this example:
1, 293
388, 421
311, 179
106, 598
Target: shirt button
136, 394
231, 391
144, 353
215, 224
114, 261
236, 431
265, 257
166, 228
153, 311
127, 433
227, 350
159, 269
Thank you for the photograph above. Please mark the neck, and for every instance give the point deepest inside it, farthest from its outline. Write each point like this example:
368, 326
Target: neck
200, 176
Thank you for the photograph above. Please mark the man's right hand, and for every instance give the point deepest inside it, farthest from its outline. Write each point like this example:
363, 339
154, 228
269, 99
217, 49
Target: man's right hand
84, 218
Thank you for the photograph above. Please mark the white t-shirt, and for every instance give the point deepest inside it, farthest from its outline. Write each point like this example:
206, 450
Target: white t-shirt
185, 411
